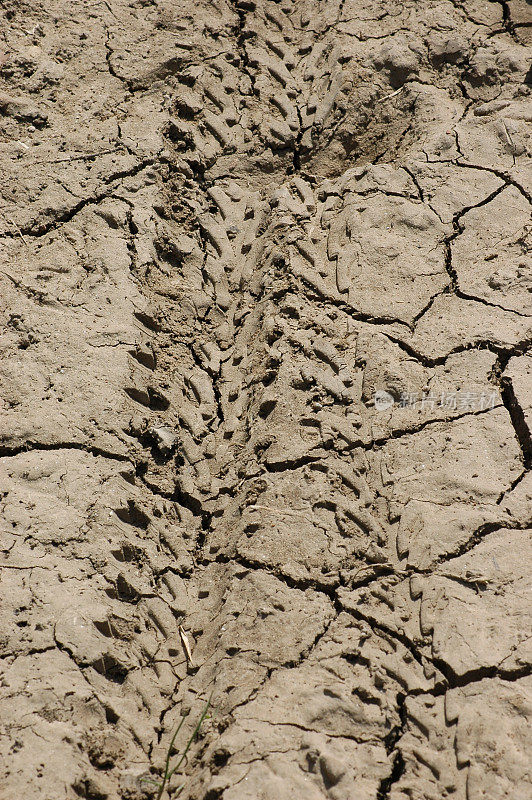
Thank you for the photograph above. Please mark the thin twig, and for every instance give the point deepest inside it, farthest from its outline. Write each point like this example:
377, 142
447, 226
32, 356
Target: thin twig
14, 224
78, 158
393, 94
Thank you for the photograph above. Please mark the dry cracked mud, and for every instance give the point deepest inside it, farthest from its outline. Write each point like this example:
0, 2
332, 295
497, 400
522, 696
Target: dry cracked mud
266, 392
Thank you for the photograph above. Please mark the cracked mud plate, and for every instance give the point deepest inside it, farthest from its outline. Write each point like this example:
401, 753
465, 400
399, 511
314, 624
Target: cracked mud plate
266, 400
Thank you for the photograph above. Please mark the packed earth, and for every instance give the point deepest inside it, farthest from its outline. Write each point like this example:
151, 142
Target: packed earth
266, 399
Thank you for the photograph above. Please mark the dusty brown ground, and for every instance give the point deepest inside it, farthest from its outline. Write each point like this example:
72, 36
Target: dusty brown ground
224, 227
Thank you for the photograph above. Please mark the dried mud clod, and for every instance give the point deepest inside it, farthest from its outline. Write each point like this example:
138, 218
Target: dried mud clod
265, 433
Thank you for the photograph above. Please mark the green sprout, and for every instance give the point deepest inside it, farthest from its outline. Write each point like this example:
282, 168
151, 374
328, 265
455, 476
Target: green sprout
168, 770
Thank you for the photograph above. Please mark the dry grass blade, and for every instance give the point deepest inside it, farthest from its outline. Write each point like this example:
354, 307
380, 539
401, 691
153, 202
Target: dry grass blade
186, 645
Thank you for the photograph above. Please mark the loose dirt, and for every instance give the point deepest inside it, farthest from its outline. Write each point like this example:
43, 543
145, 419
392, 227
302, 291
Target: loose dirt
265, 431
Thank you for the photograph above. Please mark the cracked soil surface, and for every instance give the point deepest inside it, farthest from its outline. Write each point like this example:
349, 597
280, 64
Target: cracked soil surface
224, 227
